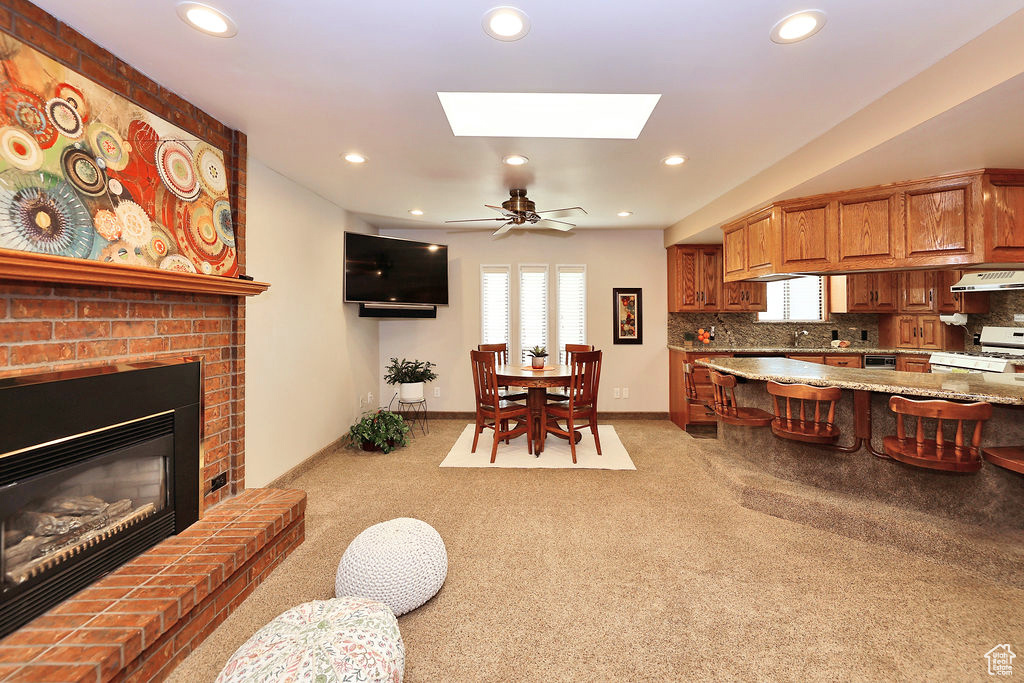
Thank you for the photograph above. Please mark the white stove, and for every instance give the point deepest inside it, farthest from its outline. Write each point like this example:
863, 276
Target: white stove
1000, 347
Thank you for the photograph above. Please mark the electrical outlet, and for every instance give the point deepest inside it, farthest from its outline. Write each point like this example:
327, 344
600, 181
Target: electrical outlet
616, 392
219, 482
625, 392
1018, 317
437, 392
863, 335
369, 398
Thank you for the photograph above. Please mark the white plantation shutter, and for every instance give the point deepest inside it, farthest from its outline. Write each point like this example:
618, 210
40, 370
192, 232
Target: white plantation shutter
533, 308
798, 299
572, 307
494, 304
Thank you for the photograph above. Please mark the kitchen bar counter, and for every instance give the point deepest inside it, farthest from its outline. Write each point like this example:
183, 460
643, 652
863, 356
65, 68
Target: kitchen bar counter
793, 350
1001, 388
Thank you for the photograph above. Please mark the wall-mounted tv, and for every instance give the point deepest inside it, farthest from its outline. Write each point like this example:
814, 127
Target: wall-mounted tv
390, 270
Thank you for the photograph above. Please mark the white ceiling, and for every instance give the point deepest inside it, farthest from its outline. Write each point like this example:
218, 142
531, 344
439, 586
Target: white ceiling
310, 81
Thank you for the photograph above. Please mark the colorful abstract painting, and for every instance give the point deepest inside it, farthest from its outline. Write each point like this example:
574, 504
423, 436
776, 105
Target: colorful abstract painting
628, 316
84, 173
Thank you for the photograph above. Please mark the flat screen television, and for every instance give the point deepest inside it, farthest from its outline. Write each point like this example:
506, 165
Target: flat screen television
390, 270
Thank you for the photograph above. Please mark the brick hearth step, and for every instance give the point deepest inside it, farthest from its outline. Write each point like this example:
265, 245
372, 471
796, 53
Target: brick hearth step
138, 622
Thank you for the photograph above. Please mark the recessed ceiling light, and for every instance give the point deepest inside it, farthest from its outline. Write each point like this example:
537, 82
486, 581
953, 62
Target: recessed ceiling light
416, 212
624, 214
506, 23
355, 158
674, 160
209, 20
515, 160
798, 26
547, 115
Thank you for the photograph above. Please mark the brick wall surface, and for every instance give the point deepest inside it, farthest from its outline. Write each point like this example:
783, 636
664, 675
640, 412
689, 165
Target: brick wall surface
46, 327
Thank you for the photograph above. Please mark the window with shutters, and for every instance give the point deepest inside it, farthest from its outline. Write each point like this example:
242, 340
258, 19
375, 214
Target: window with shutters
572, 307
800, 299
533, 308
495, 308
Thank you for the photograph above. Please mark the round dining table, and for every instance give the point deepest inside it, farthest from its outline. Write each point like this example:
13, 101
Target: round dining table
536, 383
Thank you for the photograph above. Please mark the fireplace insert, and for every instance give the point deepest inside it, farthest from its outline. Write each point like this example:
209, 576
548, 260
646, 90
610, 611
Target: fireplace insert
96, 466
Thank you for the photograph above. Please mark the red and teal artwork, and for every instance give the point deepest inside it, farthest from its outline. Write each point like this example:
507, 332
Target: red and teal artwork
87, 174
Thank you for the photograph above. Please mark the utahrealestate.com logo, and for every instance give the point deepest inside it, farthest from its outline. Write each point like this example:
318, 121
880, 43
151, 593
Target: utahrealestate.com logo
1000, 660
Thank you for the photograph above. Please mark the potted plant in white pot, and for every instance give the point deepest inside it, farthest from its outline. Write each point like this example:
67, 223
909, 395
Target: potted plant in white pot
409, 375
539, 353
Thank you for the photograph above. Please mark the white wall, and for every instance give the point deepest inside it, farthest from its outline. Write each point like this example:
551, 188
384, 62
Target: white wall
308, 356
614, 258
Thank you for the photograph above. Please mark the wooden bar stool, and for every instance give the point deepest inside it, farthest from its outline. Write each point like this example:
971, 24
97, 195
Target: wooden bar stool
697, 409
1008, 457
937, 453
800, 423
729, 411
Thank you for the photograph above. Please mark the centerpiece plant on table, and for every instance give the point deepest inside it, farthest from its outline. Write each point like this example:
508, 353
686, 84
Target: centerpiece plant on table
538, 354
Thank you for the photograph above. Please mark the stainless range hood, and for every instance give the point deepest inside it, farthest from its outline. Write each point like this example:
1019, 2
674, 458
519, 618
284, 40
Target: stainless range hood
990, 282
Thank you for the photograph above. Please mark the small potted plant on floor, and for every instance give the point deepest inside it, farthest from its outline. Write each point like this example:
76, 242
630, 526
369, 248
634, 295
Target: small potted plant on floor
379, 431
539, 353
409, 375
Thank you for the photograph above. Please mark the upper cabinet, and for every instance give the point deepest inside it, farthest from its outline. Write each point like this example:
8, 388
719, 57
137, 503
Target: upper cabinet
695, 283
864, 293
971, 218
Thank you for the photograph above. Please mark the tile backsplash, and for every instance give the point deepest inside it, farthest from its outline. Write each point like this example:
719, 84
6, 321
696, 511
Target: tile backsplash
743, 329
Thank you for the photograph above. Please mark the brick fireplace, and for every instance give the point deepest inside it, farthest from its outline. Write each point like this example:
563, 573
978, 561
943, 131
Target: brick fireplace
49, 327
138, 621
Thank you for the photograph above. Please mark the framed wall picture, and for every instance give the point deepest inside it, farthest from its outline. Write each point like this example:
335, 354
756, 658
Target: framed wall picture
628, 315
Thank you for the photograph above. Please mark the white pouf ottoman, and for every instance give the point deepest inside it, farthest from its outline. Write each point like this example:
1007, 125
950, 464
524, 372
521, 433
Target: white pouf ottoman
402, 563
346, 639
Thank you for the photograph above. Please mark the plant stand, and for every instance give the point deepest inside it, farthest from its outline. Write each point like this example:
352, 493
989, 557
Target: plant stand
413, 412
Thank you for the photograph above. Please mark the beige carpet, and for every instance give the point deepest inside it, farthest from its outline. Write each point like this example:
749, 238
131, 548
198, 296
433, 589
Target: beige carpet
556, 452
589, 575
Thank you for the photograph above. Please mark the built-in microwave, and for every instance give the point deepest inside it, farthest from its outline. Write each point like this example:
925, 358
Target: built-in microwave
879, 362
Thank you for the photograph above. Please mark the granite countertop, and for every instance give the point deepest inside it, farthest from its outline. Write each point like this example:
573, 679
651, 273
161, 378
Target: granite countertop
795, 350
994, 387
822, 350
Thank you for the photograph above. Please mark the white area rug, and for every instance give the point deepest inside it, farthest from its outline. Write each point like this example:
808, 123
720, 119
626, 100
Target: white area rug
556, 452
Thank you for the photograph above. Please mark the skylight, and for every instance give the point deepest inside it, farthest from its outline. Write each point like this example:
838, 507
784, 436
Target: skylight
547, 115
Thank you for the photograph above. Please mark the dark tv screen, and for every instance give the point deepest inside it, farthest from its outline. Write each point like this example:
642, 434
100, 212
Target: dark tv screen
391, 270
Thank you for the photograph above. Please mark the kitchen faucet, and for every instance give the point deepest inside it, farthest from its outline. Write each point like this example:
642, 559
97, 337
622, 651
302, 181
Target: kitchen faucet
796, 337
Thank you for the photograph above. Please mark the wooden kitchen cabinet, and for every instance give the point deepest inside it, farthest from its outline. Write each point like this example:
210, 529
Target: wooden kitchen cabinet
918, 332
947, 301
865, 293
943, 222
750, 246
807, 358
906, 362
1004, 217
917, 291
803, 229
744, 296
866, 229
695, 283
694, 278
846, 360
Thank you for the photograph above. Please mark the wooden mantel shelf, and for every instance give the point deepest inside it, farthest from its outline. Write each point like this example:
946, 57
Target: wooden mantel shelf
26, 266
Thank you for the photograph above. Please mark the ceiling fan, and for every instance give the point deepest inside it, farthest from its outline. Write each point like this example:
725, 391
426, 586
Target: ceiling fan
519, 210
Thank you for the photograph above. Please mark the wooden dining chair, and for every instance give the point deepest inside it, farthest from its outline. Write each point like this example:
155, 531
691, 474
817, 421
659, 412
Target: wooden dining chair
730, 412
569, 350
582, 403
490, 405
809, 413
501, 353
962, 455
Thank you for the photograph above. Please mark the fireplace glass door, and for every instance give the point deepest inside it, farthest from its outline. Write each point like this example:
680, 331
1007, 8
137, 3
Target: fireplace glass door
50, 519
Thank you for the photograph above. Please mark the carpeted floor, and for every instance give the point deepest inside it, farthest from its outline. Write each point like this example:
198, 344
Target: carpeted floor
655, 574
